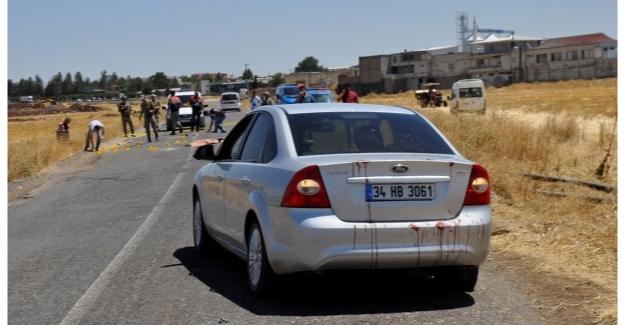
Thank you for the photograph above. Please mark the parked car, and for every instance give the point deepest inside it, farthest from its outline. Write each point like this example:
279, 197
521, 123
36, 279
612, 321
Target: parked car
311, 187
185, 113
321, 95
230, 100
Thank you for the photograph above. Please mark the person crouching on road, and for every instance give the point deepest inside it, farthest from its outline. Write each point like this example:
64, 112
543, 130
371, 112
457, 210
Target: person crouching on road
125, 110
62, 130
218, 115
148, 110
95, 127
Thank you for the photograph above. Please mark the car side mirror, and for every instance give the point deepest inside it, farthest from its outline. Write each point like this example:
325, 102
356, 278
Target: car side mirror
277, 95
205, 152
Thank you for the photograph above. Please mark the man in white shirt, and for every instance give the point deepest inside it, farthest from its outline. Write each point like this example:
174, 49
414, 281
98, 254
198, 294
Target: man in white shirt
95, 127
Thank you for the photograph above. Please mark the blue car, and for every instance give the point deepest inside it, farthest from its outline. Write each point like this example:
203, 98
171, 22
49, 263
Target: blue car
287, 93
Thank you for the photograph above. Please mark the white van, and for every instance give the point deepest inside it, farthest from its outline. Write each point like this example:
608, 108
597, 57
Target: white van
230, 100
467, 95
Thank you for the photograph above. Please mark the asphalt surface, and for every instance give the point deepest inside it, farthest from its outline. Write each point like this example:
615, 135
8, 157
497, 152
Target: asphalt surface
113, 244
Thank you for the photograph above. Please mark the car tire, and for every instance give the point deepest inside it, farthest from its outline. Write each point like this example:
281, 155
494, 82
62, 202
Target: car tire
201, 239
461, 278
261, 278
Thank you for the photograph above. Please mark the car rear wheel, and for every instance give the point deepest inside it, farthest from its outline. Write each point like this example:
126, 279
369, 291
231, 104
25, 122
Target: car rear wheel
261, 278
461, 278
201, 239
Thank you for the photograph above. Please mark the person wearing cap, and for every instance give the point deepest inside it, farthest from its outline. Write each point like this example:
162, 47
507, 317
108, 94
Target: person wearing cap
157, 108
148, 110
125, 110
62, 130
265, 100
348, 95
95, 127
304, 96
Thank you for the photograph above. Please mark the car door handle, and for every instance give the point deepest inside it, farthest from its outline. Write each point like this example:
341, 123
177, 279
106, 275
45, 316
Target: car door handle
245, 180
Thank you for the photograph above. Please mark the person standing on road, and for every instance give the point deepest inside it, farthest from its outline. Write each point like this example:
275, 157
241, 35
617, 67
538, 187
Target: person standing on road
196, 106
304, 96
125, 110
95, 127
218, 115
265, 100
348, 95
157, 108
173, 107
254, 100
62, 130
148, 110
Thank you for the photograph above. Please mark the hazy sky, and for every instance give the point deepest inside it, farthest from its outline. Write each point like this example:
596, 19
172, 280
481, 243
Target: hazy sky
138, 38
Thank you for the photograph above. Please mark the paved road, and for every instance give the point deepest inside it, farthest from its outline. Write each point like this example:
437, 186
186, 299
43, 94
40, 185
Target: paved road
113, 245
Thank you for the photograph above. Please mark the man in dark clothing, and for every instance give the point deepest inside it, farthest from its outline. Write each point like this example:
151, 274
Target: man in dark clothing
196, 106
173, 107
217, 115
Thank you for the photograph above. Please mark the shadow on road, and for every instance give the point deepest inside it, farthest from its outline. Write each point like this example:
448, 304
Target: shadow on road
340, 293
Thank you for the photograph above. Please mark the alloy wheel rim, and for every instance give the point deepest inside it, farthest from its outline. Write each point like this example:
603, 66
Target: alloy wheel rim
255, 257
197, 224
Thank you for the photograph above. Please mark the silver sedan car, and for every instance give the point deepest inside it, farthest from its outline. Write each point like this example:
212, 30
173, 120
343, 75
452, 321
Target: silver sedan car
317, 187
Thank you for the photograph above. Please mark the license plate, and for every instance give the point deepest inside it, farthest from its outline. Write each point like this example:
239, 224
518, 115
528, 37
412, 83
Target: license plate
400, 192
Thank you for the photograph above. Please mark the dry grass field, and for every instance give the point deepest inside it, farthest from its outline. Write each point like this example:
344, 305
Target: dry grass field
564, 248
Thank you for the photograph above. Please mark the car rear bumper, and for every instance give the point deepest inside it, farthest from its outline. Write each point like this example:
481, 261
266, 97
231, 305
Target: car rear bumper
315, 240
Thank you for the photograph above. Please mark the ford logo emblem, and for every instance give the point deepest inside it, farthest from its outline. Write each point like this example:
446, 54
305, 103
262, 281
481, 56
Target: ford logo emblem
399, 168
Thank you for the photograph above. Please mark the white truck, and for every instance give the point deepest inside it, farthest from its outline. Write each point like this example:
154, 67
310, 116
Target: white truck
467, 95
26, 99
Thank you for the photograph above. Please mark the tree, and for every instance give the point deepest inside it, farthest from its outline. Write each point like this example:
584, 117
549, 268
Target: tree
255, 82
79, 84
113, 80
310, 64
86, 85
38, 86
102, 83
276, 80
159, 80
67, 86
11, 88
208, 77
219, 77
247, 74
147, 88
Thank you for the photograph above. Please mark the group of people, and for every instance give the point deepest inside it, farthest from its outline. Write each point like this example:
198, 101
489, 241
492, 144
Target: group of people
150, 112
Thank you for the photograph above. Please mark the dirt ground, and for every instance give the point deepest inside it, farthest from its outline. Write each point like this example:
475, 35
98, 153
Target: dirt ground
22, 109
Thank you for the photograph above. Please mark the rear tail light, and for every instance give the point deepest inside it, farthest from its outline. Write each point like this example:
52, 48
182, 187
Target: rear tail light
306, 190
478, 191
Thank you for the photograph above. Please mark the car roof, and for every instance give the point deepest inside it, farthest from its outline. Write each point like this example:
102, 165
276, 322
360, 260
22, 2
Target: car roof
183, 93
230, 93
336, 107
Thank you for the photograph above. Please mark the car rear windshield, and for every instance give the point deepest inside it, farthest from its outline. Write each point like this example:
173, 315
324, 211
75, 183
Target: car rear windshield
470, 92
290, 91
357, 132
229, 97
322, 98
